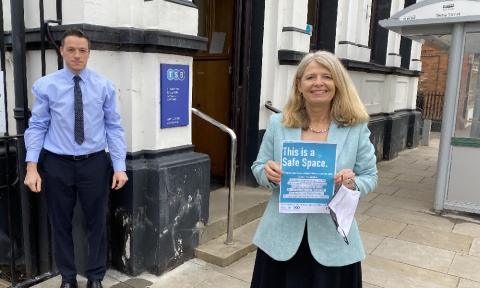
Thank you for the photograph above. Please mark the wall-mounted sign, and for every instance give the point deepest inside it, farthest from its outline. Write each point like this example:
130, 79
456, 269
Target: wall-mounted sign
3, 121
443, 9
174, 95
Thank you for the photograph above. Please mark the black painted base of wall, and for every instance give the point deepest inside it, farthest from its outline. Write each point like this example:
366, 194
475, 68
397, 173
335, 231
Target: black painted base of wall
436, 126
377, 137
392, 133
154, 219
414, 129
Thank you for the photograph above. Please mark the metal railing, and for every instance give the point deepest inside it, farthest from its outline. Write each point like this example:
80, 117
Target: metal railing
430, 103
8, 146
23, 270
269, 106
233, 160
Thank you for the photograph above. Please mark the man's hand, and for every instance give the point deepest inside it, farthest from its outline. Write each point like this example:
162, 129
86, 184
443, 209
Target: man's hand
119, 179
33, 180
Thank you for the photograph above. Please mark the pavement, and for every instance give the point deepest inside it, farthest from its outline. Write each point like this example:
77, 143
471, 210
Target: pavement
407, 243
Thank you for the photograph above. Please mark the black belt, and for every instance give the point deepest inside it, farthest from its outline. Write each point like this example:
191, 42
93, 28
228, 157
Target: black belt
76, 157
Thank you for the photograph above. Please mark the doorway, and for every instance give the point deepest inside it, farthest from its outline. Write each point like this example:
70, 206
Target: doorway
212, 84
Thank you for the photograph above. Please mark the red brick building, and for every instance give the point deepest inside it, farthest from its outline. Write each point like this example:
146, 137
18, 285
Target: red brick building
434, 70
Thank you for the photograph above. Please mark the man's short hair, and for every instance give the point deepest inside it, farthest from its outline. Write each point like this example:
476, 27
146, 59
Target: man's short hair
75, 32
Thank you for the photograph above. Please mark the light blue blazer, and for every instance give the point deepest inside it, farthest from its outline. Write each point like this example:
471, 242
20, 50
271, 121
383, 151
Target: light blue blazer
279, 235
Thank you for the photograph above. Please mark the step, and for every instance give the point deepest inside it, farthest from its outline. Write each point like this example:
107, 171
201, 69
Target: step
217, 252
4, 283
249, 205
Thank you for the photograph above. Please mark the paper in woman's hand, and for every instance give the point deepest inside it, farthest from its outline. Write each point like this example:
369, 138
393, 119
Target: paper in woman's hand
342, 209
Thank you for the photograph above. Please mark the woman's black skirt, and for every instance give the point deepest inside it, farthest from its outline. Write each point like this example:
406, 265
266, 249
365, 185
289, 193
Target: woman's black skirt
303, 271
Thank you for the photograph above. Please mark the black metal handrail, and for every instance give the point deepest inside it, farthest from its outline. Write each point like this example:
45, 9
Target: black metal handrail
269, 106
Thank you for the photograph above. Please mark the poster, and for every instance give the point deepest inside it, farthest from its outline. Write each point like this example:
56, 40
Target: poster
174, 95
308, 170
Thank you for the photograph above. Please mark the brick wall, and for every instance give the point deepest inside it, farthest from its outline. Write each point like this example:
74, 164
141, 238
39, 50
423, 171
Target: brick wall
434, 70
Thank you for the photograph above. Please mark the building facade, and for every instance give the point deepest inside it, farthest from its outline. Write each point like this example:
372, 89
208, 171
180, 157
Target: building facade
239, 54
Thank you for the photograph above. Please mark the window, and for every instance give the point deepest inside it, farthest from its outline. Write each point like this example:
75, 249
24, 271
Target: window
322, 15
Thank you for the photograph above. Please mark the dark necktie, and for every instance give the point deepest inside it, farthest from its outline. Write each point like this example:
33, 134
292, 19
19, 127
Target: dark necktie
78, 107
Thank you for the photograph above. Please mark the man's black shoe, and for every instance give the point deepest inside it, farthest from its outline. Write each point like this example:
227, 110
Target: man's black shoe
65, 284
94, 284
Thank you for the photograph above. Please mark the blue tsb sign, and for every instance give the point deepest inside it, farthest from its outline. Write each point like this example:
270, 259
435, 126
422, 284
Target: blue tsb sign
174, 97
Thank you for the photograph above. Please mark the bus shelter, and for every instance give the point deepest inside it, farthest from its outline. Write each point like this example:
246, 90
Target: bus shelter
455, 27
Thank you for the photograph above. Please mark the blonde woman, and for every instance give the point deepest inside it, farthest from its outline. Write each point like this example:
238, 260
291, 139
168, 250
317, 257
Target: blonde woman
305, 250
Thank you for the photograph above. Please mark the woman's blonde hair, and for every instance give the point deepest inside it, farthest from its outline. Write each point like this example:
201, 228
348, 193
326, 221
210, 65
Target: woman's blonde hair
347, 109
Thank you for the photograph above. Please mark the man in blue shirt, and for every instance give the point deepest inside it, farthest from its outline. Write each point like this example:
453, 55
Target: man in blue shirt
74, 119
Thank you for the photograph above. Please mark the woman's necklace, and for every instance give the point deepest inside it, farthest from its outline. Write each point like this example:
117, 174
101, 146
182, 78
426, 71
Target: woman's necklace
321, 131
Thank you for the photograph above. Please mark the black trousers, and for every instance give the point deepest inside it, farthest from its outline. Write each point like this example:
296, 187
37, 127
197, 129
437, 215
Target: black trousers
303, 271
63, 180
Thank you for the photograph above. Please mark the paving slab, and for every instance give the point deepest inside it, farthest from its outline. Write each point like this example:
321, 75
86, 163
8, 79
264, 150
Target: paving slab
382, 227
360, 218
368, 285
415, 254
386, 181
466, 266
467, 228
403, 203
421, 195
390, 274
370, 241
411, 217
369, 197
387, 174
435, 238
411, 171
429, 181
409, 185
363, 206
219, 280
464, 283
4, 284
242, 269
475, 248
187, 275
414, 178
386, 189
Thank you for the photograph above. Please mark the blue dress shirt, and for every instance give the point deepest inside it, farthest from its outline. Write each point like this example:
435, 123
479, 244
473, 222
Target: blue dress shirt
52, 122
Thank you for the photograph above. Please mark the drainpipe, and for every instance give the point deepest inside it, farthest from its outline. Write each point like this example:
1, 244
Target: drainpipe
59, 22
19, 65
2, 67
20, 115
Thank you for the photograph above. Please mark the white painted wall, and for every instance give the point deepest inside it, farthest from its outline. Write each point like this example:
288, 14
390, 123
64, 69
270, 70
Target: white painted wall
393, 48
380, 93
371, 89
353, 25
114, 13
276, 78
7, 20
271, 38
415, 55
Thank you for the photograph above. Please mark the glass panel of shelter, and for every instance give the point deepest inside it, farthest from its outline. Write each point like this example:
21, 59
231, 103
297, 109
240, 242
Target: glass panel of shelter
467, 122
